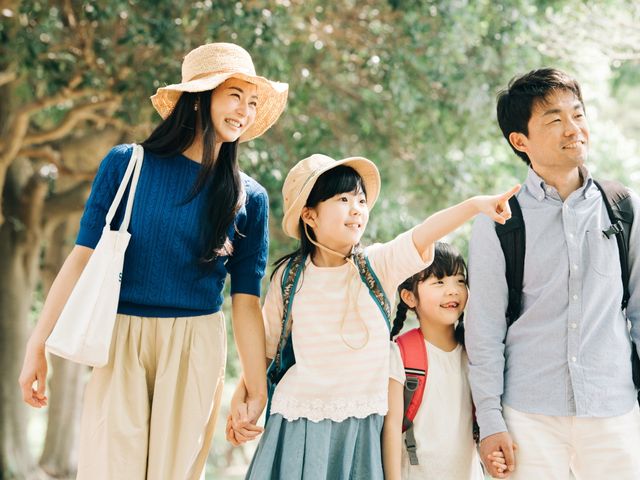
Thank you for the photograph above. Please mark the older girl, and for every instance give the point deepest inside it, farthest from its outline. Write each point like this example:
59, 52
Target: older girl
327, 410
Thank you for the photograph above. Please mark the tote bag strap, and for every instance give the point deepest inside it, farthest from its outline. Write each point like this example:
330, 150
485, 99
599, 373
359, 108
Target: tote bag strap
134, 167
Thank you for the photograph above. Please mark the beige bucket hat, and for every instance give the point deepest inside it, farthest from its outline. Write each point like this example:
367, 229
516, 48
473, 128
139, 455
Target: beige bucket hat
208, 66
303, 176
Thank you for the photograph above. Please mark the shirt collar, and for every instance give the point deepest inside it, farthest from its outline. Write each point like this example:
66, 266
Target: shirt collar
540, 190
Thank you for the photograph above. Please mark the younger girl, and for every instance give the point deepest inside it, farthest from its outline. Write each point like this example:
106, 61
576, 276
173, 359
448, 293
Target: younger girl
443, 425
327, 410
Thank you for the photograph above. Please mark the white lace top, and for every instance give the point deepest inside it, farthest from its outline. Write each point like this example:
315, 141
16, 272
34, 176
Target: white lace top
342, 361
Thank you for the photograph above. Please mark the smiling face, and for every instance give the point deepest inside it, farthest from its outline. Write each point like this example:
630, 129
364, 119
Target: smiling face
558, 134
438, 302
233, 109
339, 221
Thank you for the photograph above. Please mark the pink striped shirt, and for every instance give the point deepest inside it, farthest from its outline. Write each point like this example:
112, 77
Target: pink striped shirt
342, 366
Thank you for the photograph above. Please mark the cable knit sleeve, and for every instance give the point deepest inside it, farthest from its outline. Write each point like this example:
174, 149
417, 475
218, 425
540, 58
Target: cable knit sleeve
251, 243
103, 190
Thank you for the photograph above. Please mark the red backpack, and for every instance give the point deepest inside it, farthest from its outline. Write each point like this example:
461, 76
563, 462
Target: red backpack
416, 365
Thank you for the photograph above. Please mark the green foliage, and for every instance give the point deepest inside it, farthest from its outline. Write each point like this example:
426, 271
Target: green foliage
410, 85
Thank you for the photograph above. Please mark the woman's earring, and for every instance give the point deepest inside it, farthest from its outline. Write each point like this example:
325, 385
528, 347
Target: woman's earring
195, 107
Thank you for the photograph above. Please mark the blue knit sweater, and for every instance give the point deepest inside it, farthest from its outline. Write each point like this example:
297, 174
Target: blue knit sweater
162, 275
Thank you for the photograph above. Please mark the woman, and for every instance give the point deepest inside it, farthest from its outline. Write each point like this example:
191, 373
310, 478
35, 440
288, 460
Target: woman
150, 412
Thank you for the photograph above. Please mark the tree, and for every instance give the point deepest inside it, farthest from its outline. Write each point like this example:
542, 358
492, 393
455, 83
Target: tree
408, 84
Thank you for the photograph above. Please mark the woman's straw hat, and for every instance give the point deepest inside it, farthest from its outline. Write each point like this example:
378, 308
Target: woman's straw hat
208, 66
303, 176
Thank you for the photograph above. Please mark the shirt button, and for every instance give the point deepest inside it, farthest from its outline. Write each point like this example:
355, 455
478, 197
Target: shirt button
571, 235
575, 266
573, 359
574, 325
575, 297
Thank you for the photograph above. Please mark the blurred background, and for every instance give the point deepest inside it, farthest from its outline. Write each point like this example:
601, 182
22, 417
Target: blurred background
409, 84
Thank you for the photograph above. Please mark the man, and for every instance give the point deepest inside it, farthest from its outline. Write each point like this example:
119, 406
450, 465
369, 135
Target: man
557, 383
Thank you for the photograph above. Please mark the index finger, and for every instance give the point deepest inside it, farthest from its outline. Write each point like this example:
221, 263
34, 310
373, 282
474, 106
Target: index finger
510, 193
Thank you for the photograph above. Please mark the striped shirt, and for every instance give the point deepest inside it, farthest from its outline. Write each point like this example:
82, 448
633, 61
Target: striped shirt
569, 352
340, 337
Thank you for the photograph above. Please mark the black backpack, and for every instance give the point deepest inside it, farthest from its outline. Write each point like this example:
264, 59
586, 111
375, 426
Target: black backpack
512, 240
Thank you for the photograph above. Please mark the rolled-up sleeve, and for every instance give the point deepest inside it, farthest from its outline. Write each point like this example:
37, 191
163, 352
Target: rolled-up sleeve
485, 325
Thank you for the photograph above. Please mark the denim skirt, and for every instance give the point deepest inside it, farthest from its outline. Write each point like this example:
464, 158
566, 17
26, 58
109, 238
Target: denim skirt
324, 450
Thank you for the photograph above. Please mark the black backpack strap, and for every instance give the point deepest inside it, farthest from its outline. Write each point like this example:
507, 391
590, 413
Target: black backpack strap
513, 243
617, 200
620, 210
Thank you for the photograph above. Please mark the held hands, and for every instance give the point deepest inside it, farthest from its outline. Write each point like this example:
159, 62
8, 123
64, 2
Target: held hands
496, 207
244, 413
34, 369
497, 452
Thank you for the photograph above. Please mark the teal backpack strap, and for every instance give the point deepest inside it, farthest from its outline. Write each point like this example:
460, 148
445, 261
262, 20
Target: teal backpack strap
284, 357
370, 279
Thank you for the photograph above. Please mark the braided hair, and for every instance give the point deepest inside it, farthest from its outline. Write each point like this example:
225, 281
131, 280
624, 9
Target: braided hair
447, 261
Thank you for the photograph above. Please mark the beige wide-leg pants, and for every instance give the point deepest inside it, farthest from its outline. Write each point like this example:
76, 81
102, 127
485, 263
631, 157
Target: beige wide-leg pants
151, 412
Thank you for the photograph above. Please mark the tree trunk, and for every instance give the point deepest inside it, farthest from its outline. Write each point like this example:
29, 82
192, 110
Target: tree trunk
18, 275
67, 379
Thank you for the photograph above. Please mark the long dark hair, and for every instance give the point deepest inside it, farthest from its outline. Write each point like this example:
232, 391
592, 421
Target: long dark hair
173, 136
447, 261
340, 179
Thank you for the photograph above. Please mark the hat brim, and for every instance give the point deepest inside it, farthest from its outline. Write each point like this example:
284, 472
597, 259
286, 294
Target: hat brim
365, 168
272, 98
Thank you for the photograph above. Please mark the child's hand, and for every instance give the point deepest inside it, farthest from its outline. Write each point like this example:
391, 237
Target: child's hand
496, 207
497, 461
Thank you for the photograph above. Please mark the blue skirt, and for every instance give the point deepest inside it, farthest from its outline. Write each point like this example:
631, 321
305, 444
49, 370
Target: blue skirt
326, 450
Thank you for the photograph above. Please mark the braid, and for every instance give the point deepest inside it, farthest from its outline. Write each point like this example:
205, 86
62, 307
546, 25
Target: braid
459, 331
401, 316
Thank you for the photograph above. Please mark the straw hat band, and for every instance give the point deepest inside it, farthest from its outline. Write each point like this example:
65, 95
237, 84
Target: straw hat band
230, 71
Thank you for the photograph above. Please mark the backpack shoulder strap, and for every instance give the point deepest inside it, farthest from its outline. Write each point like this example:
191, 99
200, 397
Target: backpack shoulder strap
372, 282
284, 356
617, 200
513, 242
290, 278
416, 366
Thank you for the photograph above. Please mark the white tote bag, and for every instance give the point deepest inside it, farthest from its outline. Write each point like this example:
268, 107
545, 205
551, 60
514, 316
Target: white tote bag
85, 326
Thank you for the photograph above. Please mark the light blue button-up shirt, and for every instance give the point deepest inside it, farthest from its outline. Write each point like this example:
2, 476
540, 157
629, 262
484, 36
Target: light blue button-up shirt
569, 353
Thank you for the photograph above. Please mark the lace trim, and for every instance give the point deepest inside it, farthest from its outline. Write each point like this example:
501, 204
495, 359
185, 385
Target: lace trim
336, 409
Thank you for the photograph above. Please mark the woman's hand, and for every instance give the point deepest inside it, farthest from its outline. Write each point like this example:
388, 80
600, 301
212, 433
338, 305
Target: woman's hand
244, 413
34, 369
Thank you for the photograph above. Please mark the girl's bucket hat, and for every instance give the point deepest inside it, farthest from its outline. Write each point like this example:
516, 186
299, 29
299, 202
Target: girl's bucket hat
208, 66
303, 176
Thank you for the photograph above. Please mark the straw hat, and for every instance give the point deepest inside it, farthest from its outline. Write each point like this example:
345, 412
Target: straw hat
303, 176
208, 66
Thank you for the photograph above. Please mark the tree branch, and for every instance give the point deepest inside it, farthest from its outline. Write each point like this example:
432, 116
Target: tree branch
70, 201
82, 112
7, 76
